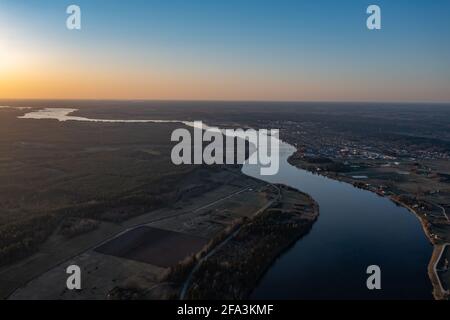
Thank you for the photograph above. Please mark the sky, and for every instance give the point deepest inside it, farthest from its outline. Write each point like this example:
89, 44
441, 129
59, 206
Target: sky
278, 50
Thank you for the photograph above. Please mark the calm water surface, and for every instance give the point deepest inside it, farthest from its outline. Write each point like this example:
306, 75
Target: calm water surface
356, 228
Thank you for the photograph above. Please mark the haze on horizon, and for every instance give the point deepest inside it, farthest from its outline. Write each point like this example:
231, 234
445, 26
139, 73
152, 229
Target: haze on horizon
286, 50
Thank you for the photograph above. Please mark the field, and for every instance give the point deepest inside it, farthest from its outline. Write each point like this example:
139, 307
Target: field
66, 187
51, 171
162, 248
194, 218
234, 269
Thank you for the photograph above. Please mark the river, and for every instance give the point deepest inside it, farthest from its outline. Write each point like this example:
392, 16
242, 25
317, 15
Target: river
356, 229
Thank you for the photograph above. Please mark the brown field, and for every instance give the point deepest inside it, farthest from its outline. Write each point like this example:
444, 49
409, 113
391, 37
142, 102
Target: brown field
158, 247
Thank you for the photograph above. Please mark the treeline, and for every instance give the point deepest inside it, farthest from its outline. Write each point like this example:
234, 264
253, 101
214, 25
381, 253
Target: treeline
73, 227
117, 210
235, 269
179, 272
21, 239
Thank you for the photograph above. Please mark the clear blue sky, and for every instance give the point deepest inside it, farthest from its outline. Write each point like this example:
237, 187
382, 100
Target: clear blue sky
247, 49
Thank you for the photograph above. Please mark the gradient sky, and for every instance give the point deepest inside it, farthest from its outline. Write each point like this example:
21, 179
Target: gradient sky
313, 50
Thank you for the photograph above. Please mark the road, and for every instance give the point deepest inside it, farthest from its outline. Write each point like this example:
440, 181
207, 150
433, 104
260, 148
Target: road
94, 246
171, 216
187, 283
444, 212
443, 291
444, 246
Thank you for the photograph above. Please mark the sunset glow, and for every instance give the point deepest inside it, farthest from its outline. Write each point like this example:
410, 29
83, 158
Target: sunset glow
159, 51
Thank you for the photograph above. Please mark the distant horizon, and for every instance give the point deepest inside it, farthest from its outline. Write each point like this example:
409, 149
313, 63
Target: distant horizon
223, 100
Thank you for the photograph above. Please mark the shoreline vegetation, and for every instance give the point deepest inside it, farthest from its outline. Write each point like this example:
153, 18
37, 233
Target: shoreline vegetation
439, 292
234, 268
231, 265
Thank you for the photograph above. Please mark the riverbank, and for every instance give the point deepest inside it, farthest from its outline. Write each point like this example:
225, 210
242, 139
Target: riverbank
292, 276
234, 270
438, 292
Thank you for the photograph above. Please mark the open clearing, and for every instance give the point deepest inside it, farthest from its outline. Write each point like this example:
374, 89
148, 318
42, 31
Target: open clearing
159, 247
